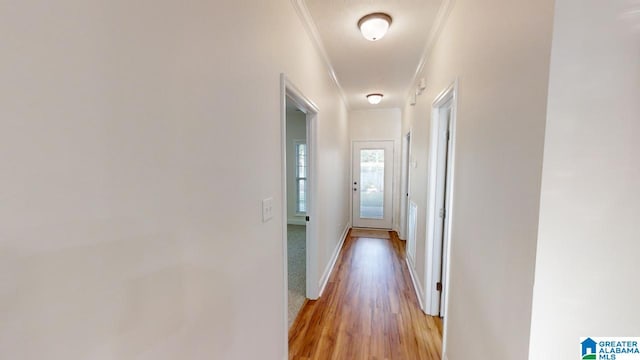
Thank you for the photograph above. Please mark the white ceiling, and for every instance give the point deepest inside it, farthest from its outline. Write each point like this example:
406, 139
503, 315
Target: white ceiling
388, 65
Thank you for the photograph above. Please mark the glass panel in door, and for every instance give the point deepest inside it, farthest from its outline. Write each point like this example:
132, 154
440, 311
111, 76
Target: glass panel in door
372, 183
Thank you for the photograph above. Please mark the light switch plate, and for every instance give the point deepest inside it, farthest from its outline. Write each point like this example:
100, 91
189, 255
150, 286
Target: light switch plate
267, 209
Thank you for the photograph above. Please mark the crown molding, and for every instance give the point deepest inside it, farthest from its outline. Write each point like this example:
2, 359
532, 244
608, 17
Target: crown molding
436, 29
312, 30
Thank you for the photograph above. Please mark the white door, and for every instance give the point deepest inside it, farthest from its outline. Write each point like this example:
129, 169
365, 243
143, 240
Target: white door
404, 192
372, 184
439, 215
444, 159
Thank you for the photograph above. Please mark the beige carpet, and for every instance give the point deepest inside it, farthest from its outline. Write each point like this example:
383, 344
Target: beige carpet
297, 268
369, 233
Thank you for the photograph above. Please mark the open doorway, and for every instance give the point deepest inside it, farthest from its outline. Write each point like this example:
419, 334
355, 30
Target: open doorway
440, 200
299, 192
297, 185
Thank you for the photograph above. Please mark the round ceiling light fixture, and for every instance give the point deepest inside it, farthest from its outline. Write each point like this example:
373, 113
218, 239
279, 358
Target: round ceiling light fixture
374, 26
374, 99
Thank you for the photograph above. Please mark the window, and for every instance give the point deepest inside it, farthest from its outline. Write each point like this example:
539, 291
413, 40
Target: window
301, 177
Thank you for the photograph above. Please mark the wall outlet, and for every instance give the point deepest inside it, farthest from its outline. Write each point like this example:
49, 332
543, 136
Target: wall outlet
267, 209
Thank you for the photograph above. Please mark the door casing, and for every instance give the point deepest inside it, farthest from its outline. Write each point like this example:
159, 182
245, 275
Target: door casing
289, 90
435, 252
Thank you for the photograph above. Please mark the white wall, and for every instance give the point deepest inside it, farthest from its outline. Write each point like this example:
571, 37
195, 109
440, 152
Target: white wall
137, 140
499, 52
588, 245
381, 124
296, 131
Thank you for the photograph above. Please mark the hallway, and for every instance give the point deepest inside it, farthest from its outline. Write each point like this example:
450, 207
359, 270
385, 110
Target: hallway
368, 310
143, 200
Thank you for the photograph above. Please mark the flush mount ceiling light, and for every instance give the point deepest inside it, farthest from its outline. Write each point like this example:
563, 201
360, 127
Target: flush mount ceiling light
374, 99
374, 26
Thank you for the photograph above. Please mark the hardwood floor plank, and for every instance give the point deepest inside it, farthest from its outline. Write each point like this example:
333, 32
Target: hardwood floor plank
368, 310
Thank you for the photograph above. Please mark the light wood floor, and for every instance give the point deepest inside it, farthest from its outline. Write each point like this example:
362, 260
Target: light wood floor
369, 310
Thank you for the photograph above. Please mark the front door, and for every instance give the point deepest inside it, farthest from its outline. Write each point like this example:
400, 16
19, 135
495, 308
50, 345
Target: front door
372, 184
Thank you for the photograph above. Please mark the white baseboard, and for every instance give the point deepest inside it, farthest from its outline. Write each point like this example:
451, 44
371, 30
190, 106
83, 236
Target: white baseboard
329, 269
416, 283
296, 221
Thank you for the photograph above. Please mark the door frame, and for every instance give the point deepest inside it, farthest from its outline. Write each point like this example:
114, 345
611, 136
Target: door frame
434, 251
289, 90
392, 183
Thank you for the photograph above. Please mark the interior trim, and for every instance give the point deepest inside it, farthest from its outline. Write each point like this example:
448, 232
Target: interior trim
312, 30
436, 29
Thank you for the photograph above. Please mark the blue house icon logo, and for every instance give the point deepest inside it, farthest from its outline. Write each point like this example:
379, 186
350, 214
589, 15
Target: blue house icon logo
588, 349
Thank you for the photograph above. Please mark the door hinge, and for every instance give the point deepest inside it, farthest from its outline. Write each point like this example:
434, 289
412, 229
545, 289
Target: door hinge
439, 286
307, 219
448, 135
443, 213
